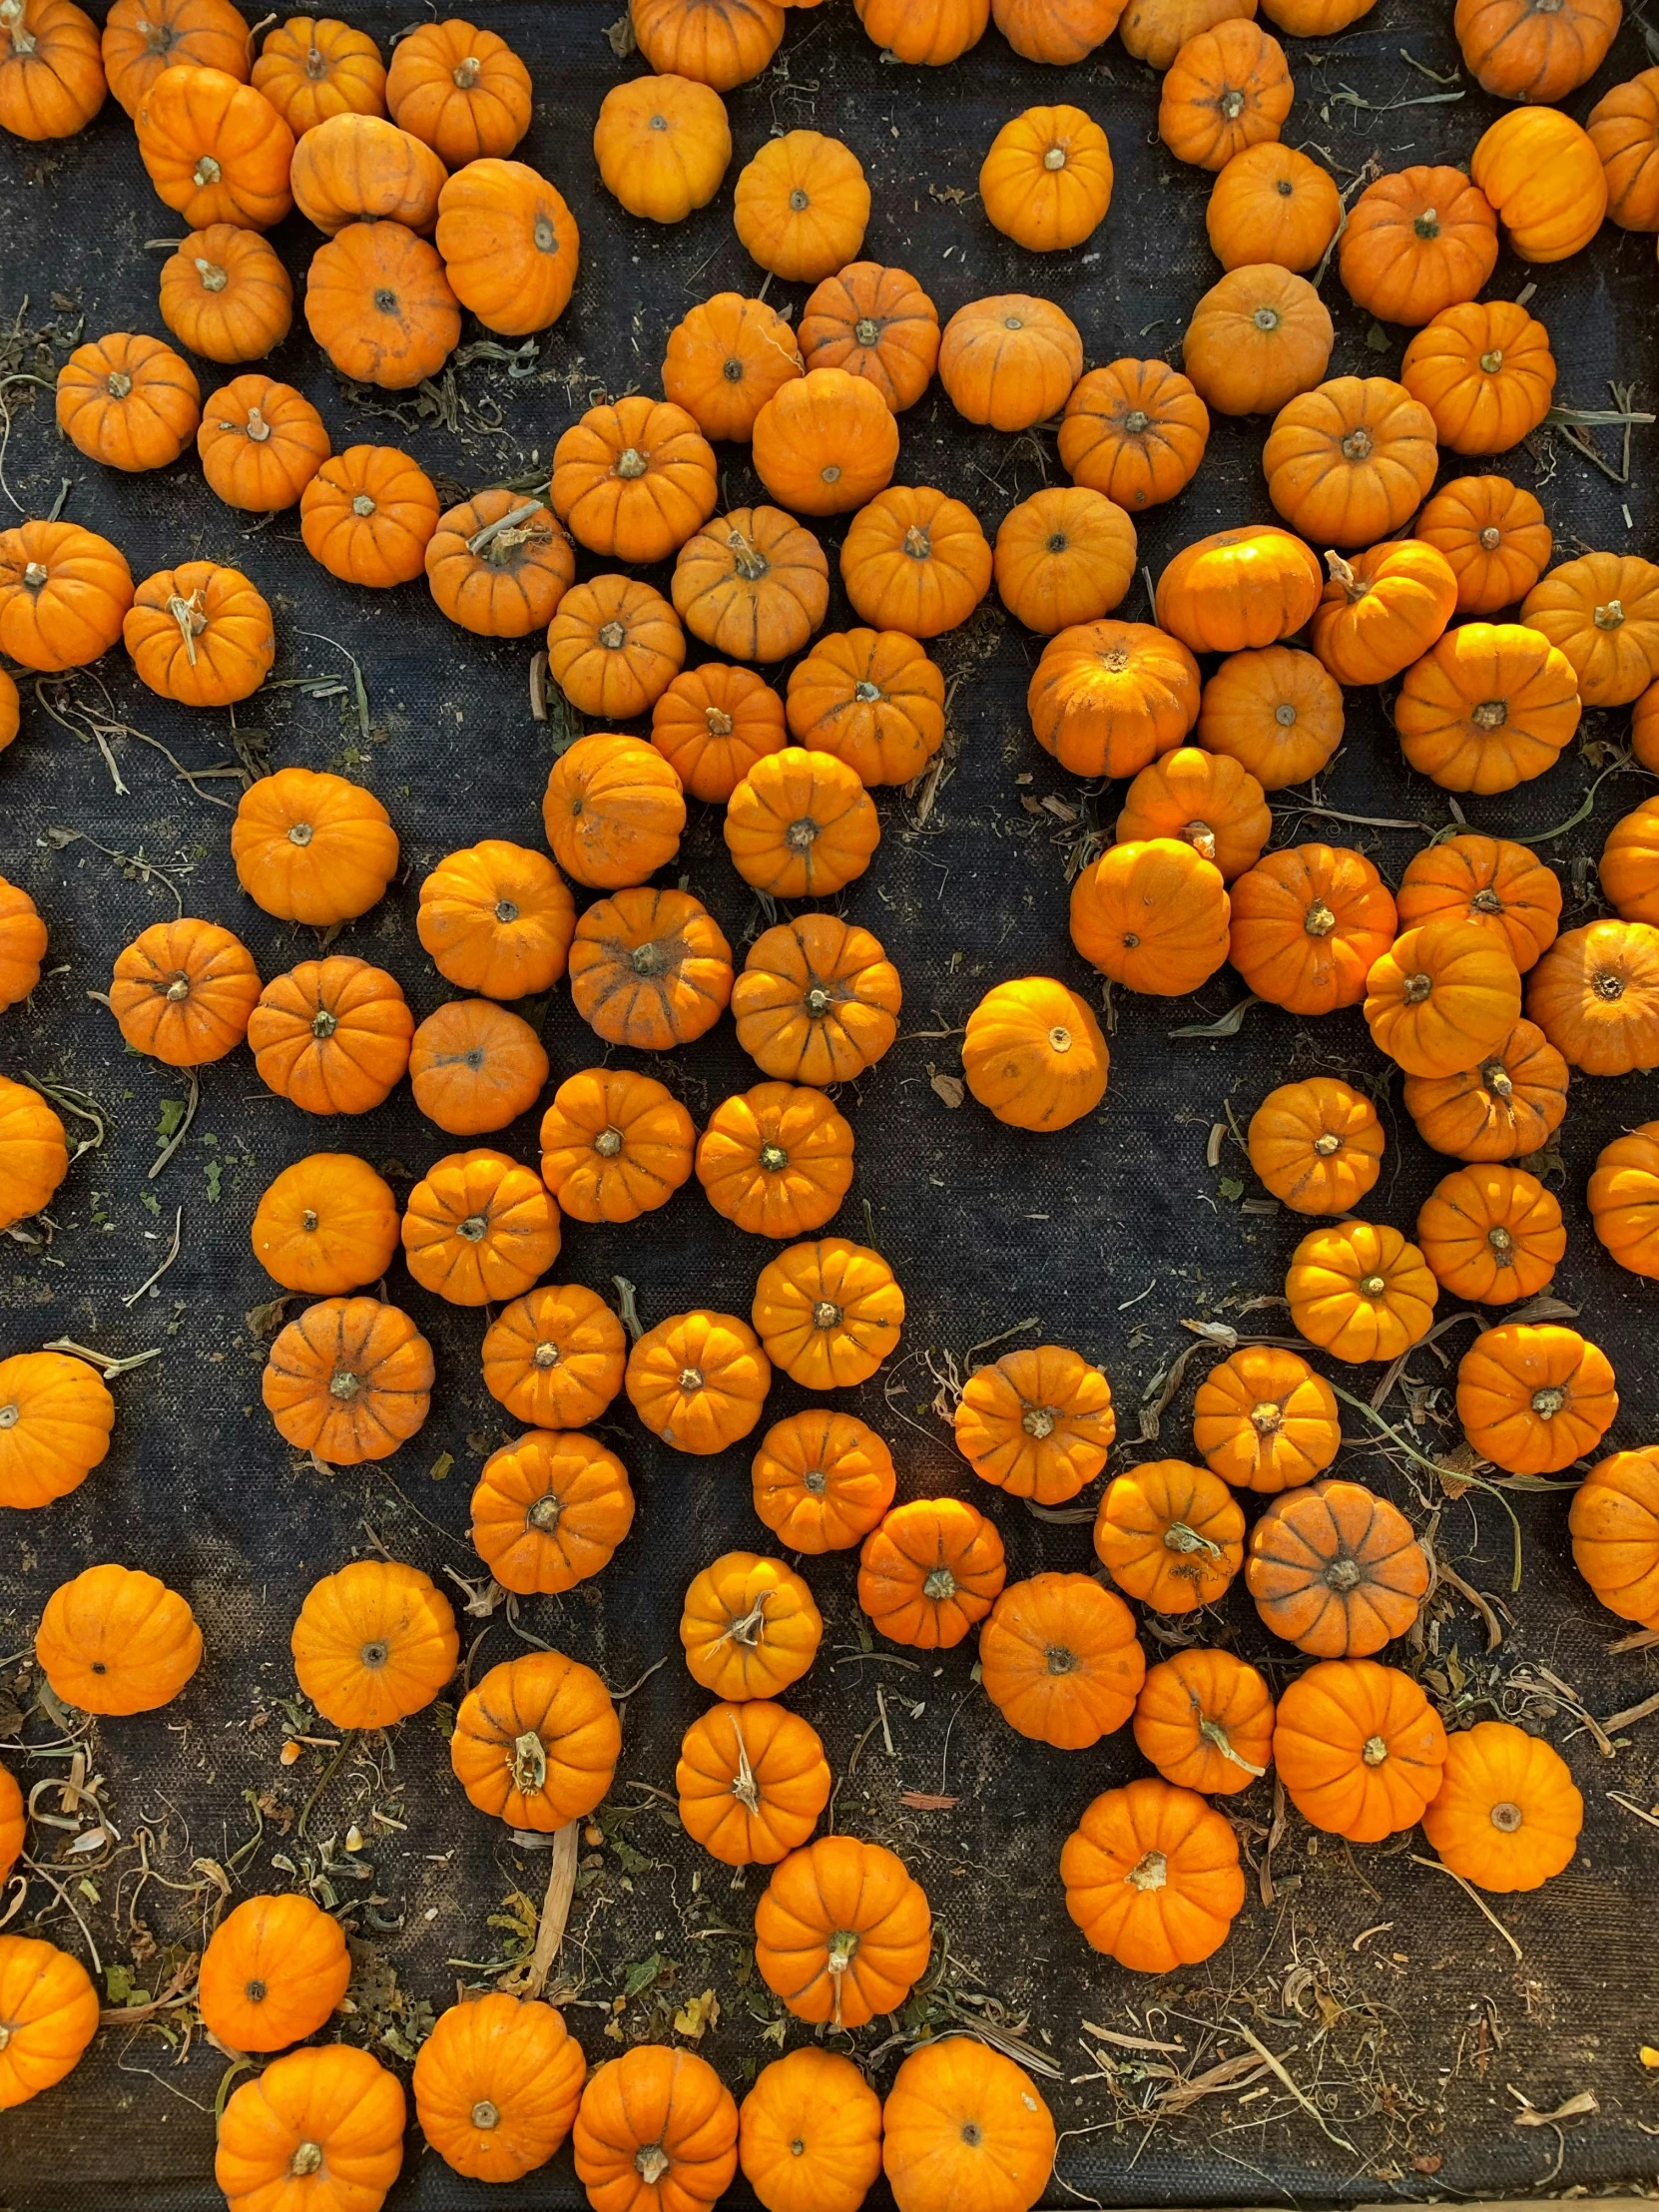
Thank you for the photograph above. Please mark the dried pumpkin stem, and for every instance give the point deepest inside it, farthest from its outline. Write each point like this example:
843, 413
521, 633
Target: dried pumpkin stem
187, 613
307, 2160
651, 2162
528, 1979
528, 1763
1342, 573
1178, 1537
748, 1627
1149, 1871
494, 531
744, 1787
485, 2115
1219, 1742
843, 1947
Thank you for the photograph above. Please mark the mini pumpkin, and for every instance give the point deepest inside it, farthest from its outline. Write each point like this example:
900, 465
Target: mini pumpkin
1417, 242
1168, 1535
748, 1627
48, 2006
725, 360
929, 1570
362, 169
1108, 698
777, 1160
1445, 994
554, 1357
63, 593
1238, 588
1152, 916
1503, 887
650, 969
634, 479
13, 1823
613, 809
462, 90
1227, 87
1359, 1291
1524, 52
330, 2113
800, 206
1037, 1424
1534, 1396
498, 565
1134, 431
184, 992
1491, 1234
1541, 172
1623, 1198
841, 1932
1257, 339
475, 1067
549, 1510
915, 560
1316, 1145
1307, 926
1276, 711
1595, 996
1152, 1877
1270, 202
226, 295
536, 1742
1009, 362
1336, 1570
877, 323
1359, 1748
333, 1036
827, 1311
115, 1640
56, 1416
656, 2127
1603, 612
261, 443
144, 37
752, 1780
1055, 31
496, 2085
1064, 556
51, 76
1624, 130
1351, 461
313, 848
615, 1145
1383, 610
1508, 1105
1614, 1520
964, 2124
1485, 373
825, 442
1491, 706
820, 1482
216, 150
1060, 1661
810, 2133
800, 825
722, 46
129, 403
613, 646
1204, 1719
349, 1379
368, 515
200, 634
1265, 1421
374, 1644
699, 1381
379, 305
1630, 865
1046, 181
33, 1153
930, 32
479, 1227
713, 724
752, 584
327, 1225
1507, 1813
22, 944
1206, 801
817, 1000
662, 144
1035, 1054
1495, 536
509, 245
313, 66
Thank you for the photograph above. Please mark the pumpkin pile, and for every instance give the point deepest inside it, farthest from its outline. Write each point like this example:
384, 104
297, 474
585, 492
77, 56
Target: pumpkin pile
1382, 570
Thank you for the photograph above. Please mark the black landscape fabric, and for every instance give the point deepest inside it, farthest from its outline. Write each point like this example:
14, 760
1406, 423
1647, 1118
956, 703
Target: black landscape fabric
1422, 2039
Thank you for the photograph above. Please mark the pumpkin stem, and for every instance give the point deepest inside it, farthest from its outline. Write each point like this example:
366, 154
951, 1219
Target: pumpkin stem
300, 833
1491, 538
1268, 1418
1485, 901
179, 989
652, 2163
690, 1380
800, 836
1427, 224
1492, 713
1137, 423
939, 1585
718, 721
1150, 1872
1060, 1660
1418, 988
774, 1158
1217, 1737
529, 1763
799, 200
1507, 1817
493, 532
1267, 318
648, 960
118, 384
23, 42
917, 543
323, 1023
1342, 573
207, 170
344, 1384
214, 279
747, 558
307, 2158
1345, 1573
866, 692
827, 1313
545, 1355
36, 576
1328, 1144
1201, 837
1059, 1039
1319, 921
187, 613
1548, 1401
1038, 1422
1611, 616
818, 1003
1231, 105
1178, 1537
1491, 362
631, 462
1372, 1285
1376, 1751
10, 1415
815, 1481
544, 236
257, 426
1607, 984
316, 67
1502, 1242
613, 635
744, 1787
375, 1654
1356, 445
363, 506
544, 1514
867, 330
1498, 1080
485, 2114
473, 1229
1055, 158
842, 1945
748, 1628
608, 1143
466, 73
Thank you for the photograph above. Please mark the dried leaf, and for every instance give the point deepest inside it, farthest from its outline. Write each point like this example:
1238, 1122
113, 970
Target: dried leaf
1574, 2108
1228, 1026
696, 2016
619, 35
950, 1088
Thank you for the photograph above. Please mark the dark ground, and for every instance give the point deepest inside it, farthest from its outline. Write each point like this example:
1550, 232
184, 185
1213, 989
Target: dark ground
1416, 2032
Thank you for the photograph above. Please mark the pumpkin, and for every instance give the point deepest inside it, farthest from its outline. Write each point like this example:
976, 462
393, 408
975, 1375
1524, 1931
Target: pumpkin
1418, 242
752, 584
497, 919
1227, 87
374, 1644
56, 1416
721, 43
330, 2114
872, 697
1060, 1661
1275, 711
1134, 431
828, 1313
333, 1036
21, 943
915, 560
1064, 556
116, 1641
273, 1970
554, 1357
368, 515
48, 2006
613, 812
1614, 1520
1336, 1570
10, 710
13, 1823
1047, 180
216, 150
362, 169
1623, 1198
1316, 1145
1204, 1719
1484, 372
1595, 996
965, 2125
633, 480
63, 593
1257, 339
1383, 610
1534, 1397
1307, 926
1603, 612
34, 1154
1037, 1424
1445, 994
1629, 866
144, 37
183, 992
801, 207
725, 360
313, 66
1507, 1813
498, 565
129, 403
656, 2130
820, 1480
810, 2133
1542, 174
1624, 130
50, 77
479, 1227
1491, 706
699, 1381
460, 89
878, 325
925, 31
662, 144
1522, 51
1168, 1535
1495, 536
1351, 461
549, 1510
713, 724
841, 1932
348, 1380
1034, 1055
615, 1145
1508, 1105
379, 305
650, 969
200, 634
1359, 1748
496, 2085
1264, 1420
929, 1570
509, 243
748, 1627
1152, 916
1503, 887
327, 1225
226, 295
1359, 1291
1056, 31
1491, 1234
1108, 698
536, 1742
1238, 588
1270, 204
1152, 1877
261, 443
1206, 801
817, 1000
475, 1067
800, 825
1009, 362
825, 442
313, 848
752, 1780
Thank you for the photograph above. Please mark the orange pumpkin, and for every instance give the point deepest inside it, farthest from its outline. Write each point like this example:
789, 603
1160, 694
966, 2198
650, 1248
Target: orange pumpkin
615, 1145
510, 246
1034, 1055
1417, 242
841, 1932
725, 360
750, 1627
1060, 1661
184, 992
1170, 1534
536, 1742
498, 565
800, 206
872, 697
129, 403
462, 90
56, 1416
825, 442
479, 1227
650, 969
914, 560
1135, 430
1348, 464
1359, 1748
497, 919
1265, 1421
656, 2127
613, 809
348, 1381
554, 1357
1624, 130
1485, 373
313, 66
379, 305
362, 169
1507, 1813
929, 1570
662, 144
752, 1780
1534, 1397
713, 724
1239, 588
1316, 1145
1503, 887
368, 515
1336, 1570
752, 584
800, 825
261, 443
1108, 698
200, 634
1206, 801
1204, 1719
877, 323
613, 646
1507, 1106
374, 1644
1152, 1877
1308, 925
1359, 1291
635, 479
34, 1154
1064, 556
820, 1482
1491, 1234
326, 1225
776, 1161
1614, 1520
226, 295
1630, 865
1257, 339
116, 1641
63, 593
1275, 711
1009, 362
496, 2085
47, 1998
549, 1510
699, 1381
1037, 1423
22, 944
1491, 706
328, 2111
1228, 88
1495, 536
313, 848
721, 45
1522, 51
1046, 181
1442, 997
144, 37
1152, 916
1384, 610
810, 2133
216, 150
1603, 612
1542, 174
331, 1035
51, 76
1056, 31
1623, 1198
1270, 204
817, 1000
827, 1311
475, 1067
1595, 996
925, 31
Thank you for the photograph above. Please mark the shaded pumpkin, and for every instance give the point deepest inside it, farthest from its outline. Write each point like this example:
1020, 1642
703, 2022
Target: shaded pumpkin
327, 1225
752, 584
1307, 926
1623, 128
1491, 1234
613, 646
184, 992
1064, 556
313, 848
914, 560
1508, 1105
475, 1067
841, 1932
725, 360
497, 919
800, 206
1010, 361
817, 1000
825, 442
1492, 705
1170, 1534
378, 303
1359, 1748
930, 32
1615, 1519
1417, 241
613, 809
1035, 1054
1107, 698
374, 1643
820, 1480
259, 443
358, 168
1444, 994
1316, 1144
114, 1641
650, 969
1270, 202
1521, 51
662, 144
1495, 536
1227, 87
368, 515
536, 1742
800, 825
1152, 916
1276, 711
1349, 462
460, 88
1265, 1421
752, 1780
1382, 611
333, 1036
554, 1357
657, 2112
615, 1145
632, 479
128, 402
144, 37
509, 245
496, 2085
1056, 31
226, 295
56, 1418
1484, 372
877, 323
549, 1510
713, 724
810, 2133
1060, 1661
348, 1380
1037, 1424
1204, 1719
313, 66
22, 944
1359, 1291
1257, 338
1503, 888
479, 1227
1204, 799
498, 565
929, 1570
722, 45
775, 1160
1152, 1877
1336, 1570
1134, 431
